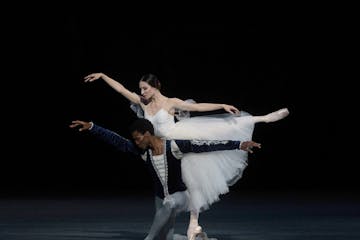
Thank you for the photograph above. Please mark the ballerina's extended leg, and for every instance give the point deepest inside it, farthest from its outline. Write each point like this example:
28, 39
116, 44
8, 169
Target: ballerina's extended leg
272, 117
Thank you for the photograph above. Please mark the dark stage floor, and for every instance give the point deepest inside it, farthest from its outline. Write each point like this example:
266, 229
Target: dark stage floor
248, 217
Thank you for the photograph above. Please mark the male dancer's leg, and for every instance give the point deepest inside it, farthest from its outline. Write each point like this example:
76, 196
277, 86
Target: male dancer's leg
167, 232
178, 202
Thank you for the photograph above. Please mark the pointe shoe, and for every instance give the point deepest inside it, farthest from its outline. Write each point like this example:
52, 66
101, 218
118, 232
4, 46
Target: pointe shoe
192, 233
277, 115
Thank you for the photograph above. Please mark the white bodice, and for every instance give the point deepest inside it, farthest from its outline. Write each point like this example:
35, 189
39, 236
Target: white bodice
163, 122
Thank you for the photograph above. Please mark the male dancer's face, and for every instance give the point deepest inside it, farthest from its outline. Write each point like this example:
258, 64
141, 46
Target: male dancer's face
141, 140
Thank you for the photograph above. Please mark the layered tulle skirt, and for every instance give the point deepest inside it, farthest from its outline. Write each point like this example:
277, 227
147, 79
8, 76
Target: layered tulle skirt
208, 175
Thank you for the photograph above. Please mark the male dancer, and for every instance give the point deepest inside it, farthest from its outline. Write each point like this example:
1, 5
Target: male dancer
162, 158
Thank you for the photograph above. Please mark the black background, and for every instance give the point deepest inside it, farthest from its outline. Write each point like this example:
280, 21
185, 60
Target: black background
257, 65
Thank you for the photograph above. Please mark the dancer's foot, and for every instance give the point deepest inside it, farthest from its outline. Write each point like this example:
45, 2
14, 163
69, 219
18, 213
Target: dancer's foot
179, 237
277, 115
193, 232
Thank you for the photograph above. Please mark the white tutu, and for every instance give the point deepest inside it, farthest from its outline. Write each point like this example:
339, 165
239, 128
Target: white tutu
208, 175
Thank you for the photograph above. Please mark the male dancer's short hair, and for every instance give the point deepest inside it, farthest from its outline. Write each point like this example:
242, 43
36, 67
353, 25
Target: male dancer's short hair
142, 125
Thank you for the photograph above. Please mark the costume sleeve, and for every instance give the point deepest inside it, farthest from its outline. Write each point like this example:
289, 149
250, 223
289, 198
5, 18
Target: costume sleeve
178, 147
120, 143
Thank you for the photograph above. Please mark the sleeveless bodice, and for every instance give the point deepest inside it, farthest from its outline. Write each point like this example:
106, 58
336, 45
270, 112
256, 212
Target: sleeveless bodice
163, 122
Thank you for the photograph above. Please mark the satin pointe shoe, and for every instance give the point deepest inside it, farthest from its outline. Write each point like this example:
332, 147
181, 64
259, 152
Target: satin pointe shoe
203, 236
193, 232
277, 115
179, 237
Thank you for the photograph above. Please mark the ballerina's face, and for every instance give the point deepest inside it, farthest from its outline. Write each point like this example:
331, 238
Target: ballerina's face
147, 91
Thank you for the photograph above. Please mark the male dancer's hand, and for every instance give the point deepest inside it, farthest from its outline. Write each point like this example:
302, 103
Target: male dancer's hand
248, 145
83, 125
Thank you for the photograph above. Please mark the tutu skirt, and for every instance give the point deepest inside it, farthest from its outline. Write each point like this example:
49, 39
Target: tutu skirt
208, 175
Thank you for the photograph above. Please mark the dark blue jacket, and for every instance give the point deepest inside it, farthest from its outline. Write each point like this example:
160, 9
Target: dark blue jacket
173, 153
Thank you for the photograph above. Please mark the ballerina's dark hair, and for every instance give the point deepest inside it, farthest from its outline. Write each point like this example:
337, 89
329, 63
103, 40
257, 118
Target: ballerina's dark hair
152, 80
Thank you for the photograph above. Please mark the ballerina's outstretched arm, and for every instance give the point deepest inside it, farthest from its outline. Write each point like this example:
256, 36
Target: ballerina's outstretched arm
202, 107
132, 96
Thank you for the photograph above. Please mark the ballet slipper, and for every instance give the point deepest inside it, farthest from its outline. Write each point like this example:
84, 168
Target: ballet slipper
193, 232
277, 115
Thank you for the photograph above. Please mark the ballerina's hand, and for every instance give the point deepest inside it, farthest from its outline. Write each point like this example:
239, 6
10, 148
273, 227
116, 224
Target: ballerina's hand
83, 125
92, 77
231, 109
